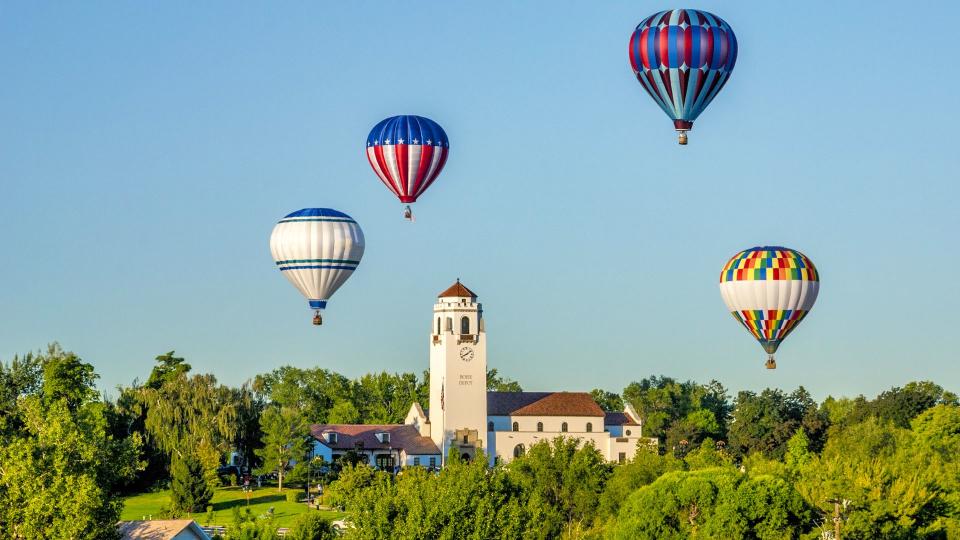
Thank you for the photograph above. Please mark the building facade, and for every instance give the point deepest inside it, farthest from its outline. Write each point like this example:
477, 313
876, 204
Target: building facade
465, 417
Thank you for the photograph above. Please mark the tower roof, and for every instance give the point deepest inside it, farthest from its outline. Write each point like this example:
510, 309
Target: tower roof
457, 290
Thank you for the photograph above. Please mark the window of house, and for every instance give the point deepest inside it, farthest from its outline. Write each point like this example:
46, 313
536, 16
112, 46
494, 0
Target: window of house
628, 433
433, 462
622, 457
563, 427
516, 426
465, 325
518, 450
384, 438
416, 462
332, 438
539, 426
589, 427
489, 426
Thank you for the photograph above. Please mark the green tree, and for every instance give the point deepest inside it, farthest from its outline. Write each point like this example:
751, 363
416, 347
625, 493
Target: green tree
645, 467
498, 383
59, 470
713, 503
311, 526
765, 422
680, 411
192, 416
189, 490
608, 401
566, 474
285, 435
22, 377
168, 368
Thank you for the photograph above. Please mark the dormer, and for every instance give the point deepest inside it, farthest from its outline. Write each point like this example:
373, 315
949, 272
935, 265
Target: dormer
383, 437
331, 437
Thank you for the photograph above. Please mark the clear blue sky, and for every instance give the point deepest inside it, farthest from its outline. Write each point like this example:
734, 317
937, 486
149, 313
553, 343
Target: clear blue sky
147, 149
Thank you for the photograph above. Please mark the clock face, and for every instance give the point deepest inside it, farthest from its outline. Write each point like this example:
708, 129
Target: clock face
466, 354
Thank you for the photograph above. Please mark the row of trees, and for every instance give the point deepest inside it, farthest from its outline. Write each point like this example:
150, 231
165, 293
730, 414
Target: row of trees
65, 451
891, 482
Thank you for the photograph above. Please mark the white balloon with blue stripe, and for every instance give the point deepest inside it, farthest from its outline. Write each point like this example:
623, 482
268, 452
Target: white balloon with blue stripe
317, 250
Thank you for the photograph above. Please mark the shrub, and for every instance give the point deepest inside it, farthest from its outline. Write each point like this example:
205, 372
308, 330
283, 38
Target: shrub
294, 495
311, 526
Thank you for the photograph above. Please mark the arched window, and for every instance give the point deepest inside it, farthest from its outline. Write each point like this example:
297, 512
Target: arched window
516, 426
489, 426
465, 325
465, 441
589, 427
539, 426
518, 450
563, 427
449, 325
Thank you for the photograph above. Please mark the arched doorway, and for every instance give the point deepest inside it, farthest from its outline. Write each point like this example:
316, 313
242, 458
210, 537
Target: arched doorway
465, 456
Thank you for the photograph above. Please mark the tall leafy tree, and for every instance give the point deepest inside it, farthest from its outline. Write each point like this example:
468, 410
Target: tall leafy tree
285, 434
192, 416
608, 401
189, 490
59, 470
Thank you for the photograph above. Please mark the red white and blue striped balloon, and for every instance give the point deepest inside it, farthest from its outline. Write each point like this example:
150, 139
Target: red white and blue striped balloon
407, 152
683, 57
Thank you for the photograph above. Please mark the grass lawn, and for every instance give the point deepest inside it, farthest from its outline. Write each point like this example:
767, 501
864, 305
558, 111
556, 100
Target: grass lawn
144, 505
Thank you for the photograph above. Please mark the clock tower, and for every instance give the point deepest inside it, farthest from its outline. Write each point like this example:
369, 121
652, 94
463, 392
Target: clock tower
458, 373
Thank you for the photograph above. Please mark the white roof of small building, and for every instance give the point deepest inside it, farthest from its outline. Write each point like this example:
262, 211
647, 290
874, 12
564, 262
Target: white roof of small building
162, 529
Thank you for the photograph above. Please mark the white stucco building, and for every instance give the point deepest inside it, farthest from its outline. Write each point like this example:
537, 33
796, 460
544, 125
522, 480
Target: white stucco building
463, 415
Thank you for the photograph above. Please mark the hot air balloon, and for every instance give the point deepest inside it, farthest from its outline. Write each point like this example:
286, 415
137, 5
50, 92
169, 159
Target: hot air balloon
407, 153
317, 249
769, 289
683, 57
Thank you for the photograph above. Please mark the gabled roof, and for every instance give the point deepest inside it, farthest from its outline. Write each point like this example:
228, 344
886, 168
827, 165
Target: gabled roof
618, 419
542, 404
457, 290
158, 529
402, 437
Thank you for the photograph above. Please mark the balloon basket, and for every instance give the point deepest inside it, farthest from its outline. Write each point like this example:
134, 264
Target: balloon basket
408, 214
682, 138
317, 319
771, 362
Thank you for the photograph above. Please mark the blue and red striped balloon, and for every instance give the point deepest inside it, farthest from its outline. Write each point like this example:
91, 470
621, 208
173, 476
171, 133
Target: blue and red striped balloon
407, 153
683, 57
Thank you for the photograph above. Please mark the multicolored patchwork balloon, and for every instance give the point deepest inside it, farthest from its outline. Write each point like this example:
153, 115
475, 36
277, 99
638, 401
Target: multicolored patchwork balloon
683, 57
769, 289
317, 249
407, 153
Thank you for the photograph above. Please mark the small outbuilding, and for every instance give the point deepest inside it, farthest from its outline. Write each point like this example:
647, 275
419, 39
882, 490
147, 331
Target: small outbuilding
162, 529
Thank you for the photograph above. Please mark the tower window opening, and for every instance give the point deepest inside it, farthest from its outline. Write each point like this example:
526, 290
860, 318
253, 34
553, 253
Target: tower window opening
563, 427
465, 325
438, 325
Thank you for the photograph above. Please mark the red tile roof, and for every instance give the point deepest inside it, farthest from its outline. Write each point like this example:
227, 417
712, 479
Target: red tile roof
402, 437
542, 404
457, 290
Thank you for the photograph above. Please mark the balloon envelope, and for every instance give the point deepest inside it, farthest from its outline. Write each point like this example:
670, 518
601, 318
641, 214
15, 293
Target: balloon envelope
769, 289
407, 153
317, 250
683, 57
